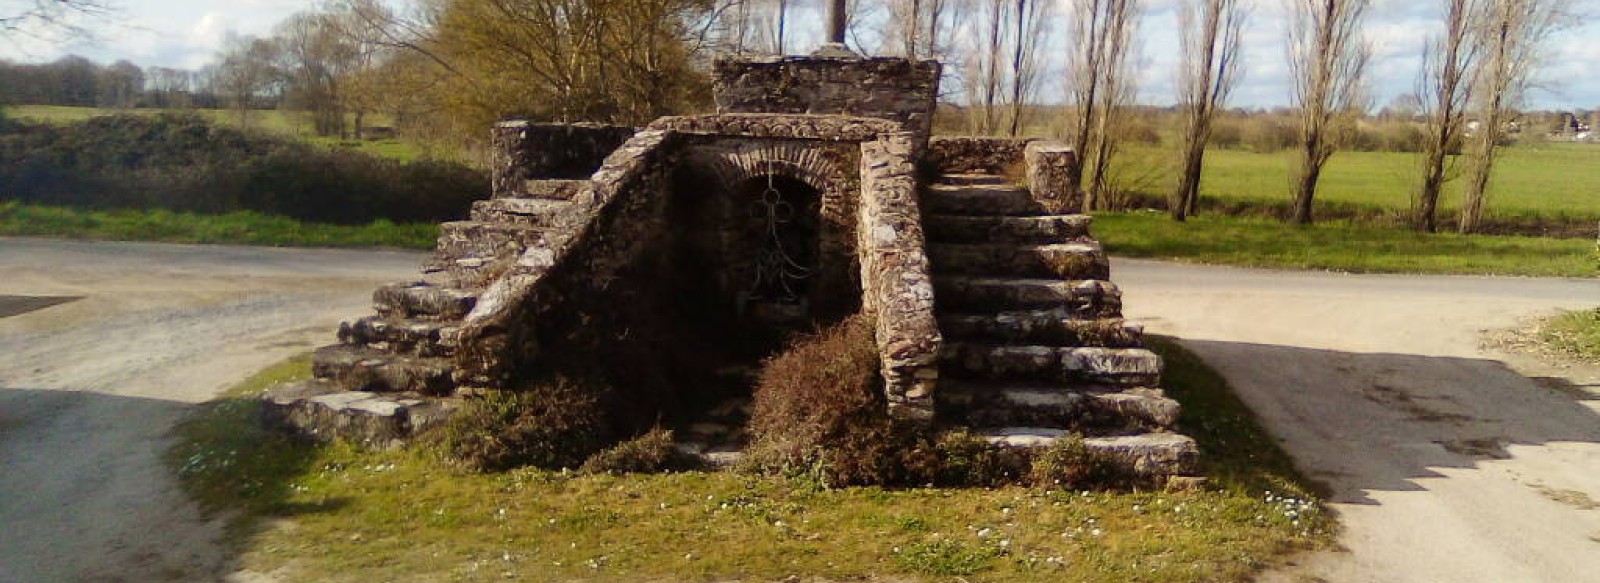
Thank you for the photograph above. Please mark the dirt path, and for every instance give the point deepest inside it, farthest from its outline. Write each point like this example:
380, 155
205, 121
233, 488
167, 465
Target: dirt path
1445, 464
103, 346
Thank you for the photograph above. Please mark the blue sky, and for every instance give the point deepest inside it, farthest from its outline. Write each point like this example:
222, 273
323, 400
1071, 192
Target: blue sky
187, 33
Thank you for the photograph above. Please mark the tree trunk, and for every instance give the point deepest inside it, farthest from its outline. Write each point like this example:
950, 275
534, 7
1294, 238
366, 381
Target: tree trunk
1306, 190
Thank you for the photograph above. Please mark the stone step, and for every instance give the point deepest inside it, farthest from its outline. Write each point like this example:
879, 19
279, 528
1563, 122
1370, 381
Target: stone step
1081, 260
1090, 409
475, 253
1124, 367
1040, 229
1086, 299
531, 212
980, 200
323, 411
420, 300
429, 338
555, 189
363, 368
483, 240
1145, 455
973, 179
1057, 327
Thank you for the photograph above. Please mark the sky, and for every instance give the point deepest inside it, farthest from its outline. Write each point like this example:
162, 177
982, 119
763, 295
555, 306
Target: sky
187, 33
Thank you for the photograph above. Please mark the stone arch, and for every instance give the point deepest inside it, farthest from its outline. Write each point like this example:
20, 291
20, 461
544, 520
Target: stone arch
725, 167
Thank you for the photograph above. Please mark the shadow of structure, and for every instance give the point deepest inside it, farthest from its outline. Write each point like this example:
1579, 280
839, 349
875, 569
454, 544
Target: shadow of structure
1380, 422
18, 305
86, 493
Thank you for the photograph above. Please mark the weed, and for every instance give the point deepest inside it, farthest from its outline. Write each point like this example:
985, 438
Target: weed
1069, 465
555, 424
651, 452
818, 407
1576, 333
947, 558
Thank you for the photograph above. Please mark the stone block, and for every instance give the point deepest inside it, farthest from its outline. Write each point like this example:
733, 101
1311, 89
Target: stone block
324, 412
1049, 168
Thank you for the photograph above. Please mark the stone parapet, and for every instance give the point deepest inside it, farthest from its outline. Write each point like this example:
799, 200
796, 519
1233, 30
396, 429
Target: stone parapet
896, 89
778, 125
897, 287
522, 151
605, 227
976, 154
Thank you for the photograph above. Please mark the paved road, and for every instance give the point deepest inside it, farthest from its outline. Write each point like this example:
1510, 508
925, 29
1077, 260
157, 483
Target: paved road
1445, 464
103, 346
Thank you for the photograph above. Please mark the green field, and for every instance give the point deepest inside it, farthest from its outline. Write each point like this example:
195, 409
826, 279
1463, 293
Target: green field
1339, 246
1548, 180
289, 124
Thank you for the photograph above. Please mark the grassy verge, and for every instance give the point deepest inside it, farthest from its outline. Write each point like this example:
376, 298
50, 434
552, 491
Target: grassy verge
338, 514
245, 228
1260, 242
1576, 333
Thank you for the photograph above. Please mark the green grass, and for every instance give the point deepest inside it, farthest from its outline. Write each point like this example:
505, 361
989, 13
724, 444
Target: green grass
1339, 246
1537, 179
244, 228
335, 513
1575, 333
290, 124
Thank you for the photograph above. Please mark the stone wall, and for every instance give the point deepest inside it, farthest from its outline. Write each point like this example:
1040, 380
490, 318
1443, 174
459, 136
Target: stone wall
897, 289
896, 89
606, 229
523, 151
976, 155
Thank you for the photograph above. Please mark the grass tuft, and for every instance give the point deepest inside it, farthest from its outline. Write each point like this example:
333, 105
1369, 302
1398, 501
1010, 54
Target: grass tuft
1576, 333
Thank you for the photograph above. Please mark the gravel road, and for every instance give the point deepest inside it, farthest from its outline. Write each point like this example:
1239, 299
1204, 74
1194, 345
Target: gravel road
1445, 463
103, 346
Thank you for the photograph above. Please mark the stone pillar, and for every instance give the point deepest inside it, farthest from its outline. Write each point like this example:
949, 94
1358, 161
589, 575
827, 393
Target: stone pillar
1048, 166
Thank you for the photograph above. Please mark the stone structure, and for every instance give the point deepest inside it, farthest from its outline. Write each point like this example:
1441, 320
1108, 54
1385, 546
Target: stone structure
806, 199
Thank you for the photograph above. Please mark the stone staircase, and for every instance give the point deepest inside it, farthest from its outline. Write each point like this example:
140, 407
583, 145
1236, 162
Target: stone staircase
404, 355
1035, 345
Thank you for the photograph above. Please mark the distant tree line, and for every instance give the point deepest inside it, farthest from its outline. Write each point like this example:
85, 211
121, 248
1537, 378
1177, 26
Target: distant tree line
79, 82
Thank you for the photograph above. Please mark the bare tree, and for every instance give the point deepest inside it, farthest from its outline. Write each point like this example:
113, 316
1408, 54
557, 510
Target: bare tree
1449, 65
984, 78
918, 28
1511, 38
247, 72
1101, 39
1211, 30
1029, 20
51, 17
1327, 61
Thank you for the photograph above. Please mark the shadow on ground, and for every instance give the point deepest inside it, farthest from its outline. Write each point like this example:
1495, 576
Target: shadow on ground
1370, 422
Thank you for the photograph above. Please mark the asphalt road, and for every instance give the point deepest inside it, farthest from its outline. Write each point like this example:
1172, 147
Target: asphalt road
1445, 463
